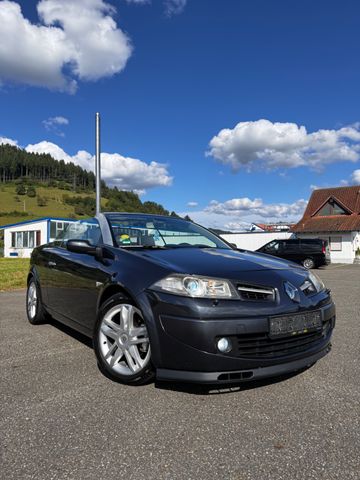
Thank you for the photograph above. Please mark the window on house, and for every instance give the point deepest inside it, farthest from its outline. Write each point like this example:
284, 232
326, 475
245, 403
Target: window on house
28, 239
57, 228
335, 244
331, 208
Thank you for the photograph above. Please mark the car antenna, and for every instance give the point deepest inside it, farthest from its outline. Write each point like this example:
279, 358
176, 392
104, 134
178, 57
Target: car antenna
97, 163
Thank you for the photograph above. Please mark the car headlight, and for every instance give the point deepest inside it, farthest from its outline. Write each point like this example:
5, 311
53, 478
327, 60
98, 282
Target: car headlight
313, 284
197, 287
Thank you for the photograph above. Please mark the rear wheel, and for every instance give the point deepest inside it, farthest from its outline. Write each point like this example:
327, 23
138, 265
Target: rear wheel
121, 342
34, 308
309, 263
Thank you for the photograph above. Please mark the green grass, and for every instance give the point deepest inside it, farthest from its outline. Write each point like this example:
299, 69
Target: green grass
55, 206
13, 273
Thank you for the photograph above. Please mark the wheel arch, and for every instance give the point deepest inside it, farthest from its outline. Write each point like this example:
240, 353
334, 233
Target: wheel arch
113, 289
32, 274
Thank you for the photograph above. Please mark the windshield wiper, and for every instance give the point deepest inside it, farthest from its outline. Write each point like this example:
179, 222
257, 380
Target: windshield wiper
147, 247
191, 246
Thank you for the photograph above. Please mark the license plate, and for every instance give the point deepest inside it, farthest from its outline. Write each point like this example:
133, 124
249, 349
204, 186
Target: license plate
289, 325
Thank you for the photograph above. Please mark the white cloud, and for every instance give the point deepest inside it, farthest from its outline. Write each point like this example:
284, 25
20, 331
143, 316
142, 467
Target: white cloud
125, 172
272, 145
8, 141
244, 206
56, 121
237, 226
355, 177
174, 7
74, 41
171, 7
53, 124
192, 204
239, 213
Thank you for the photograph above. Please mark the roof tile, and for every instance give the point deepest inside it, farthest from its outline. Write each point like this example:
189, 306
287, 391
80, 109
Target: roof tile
347, 196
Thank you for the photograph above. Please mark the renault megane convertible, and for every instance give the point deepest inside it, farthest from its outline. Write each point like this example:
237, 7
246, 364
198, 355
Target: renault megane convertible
164, 297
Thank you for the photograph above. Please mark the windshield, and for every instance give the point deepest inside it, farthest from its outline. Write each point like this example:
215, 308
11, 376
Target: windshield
160, 232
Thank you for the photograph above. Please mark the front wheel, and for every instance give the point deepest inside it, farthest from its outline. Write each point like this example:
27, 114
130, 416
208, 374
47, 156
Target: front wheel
309, 263
121, 342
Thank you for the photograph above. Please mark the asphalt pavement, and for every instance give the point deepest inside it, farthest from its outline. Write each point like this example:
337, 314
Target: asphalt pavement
61, 419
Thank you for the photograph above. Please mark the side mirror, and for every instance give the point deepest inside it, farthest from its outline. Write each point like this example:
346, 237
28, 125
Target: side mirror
233, 245
84, 246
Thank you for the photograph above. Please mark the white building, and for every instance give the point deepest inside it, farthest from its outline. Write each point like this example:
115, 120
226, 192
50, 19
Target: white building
21, 238
254, 240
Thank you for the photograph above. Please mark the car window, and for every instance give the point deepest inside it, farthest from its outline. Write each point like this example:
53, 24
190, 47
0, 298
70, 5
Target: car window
311, 245
82, 230
291, 246
272, 246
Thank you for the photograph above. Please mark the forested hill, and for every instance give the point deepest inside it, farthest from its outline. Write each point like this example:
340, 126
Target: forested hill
16, 163
33, 185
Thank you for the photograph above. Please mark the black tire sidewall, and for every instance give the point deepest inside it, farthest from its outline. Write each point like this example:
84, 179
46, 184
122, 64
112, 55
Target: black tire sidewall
145, 375
309, 260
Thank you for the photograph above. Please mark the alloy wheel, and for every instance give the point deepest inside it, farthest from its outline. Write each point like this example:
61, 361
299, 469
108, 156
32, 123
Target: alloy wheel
32, 300
123, 340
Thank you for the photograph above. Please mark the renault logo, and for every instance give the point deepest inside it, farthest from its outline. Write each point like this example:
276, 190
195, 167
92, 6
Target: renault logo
292, 292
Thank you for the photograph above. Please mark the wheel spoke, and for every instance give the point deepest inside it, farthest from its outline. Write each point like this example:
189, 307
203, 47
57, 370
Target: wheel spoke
133, 358
138, 331
116, 357
111, 350
114, 326
126, 317
137, 341
109, 332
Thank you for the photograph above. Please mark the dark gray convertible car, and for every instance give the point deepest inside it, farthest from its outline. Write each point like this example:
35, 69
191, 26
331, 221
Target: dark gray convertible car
164, 297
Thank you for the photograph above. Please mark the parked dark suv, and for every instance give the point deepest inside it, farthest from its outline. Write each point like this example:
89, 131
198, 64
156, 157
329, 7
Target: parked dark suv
312, 253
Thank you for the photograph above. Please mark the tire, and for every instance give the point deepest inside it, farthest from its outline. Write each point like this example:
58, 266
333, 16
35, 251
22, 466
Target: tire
121, 342
34, 308
308, 263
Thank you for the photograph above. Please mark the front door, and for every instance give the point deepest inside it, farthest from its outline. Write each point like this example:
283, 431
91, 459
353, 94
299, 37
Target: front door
75, 277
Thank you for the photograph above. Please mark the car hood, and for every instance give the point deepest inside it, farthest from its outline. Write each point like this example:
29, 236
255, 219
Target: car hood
213, 262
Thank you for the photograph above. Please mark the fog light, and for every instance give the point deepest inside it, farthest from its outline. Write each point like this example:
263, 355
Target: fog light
224, 345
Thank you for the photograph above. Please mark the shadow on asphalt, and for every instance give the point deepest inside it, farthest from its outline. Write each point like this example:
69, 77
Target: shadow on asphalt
72, 333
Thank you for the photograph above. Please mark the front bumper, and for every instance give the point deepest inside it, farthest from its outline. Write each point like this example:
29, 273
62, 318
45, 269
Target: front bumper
232, 376
183, 334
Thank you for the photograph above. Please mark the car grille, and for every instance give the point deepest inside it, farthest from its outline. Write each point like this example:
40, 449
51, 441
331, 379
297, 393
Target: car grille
262, 346
256, 293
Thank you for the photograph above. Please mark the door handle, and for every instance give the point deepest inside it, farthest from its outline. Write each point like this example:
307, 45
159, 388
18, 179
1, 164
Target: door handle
51, 264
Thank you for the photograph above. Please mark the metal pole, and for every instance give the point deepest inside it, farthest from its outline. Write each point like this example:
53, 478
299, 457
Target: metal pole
97, 163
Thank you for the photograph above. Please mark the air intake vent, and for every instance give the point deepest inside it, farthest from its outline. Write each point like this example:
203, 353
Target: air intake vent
255, 293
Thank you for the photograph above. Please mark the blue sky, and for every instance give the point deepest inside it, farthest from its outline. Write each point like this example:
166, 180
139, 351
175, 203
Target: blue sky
169, 76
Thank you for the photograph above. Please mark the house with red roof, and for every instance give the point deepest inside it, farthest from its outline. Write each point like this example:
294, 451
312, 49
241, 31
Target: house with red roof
333, 214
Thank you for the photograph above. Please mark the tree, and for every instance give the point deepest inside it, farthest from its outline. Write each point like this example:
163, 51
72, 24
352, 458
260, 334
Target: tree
42, 201
20, 189
31, 192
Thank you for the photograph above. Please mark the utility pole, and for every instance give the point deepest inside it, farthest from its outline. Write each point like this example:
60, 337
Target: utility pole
97, 163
